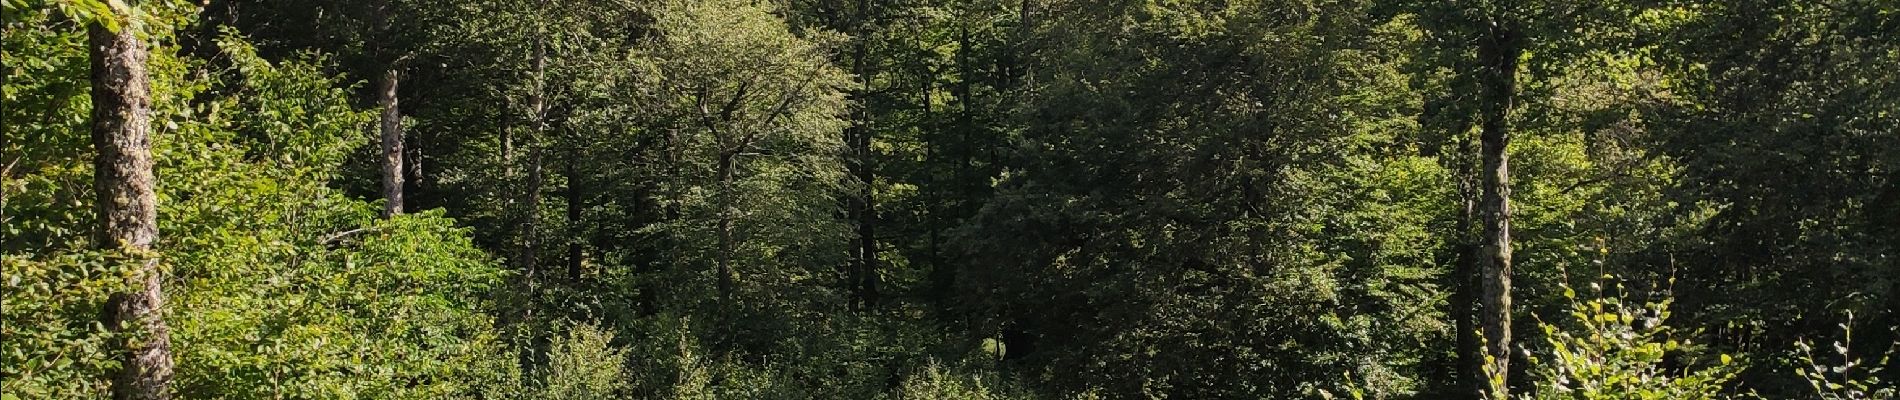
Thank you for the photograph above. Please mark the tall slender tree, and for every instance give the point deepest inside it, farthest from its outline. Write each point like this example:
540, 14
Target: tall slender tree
865, 163
390, 125
390, 132
572, 193
1498, 52
127, 200
1464, 283
528, 256
378, 40
862, 275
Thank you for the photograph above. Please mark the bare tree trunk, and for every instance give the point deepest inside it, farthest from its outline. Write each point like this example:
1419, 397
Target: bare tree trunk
507, 140
1498, 53
574, 251
128, 204
965, 123
392, 142
1465, 284
942, 275
725, 229
650, 289
1019, 59
413, 160
867, 222
865, 276
531, 209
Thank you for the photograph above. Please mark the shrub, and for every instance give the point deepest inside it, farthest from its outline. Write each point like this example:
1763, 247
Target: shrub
1617, 350
934, 382
584, 365
1851, 379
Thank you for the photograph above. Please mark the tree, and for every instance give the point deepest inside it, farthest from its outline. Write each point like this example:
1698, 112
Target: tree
863, 164
949, 198
1784, 128
390, 129
288, 287
390, 125
1483, 47
378, 41
754, 113
1498, 52
127, 200
1189, 200
529, 253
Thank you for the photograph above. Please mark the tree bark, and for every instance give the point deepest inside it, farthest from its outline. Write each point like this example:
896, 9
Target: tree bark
391, 129
128, 204
1498, 52
413, 161
725, 229
1465, 284
966, 122
531, 208
866, 275
574, 251
1019, 64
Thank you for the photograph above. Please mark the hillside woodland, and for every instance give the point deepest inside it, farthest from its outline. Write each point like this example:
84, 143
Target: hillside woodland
950, 199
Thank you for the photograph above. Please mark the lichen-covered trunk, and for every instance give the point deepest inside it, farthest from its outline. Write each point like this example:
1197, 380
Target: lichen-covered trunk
391, 129
128, 206
1498, 53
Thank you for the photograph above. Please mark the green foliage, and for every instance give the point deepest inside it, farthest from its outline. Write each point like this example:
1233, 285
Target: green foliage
676, 367
289, 288
694, 378
80, 11
1189, 192
1090, 199
1784, 129
1610, 349
585, 365
753, 115
280, 287
46, 115
1852, 377
55, 346
934, 382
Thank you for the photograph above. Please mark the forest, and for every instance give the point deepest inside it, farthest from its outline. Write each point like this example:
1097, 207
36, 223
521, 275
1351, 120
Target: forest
950, 199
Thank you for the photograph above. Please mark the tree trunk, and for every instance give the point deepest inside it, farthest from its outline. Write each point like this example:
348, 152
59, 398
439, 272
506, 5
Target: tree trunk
965, 123
413, 160
1498, 53
1018, 60
392, 142
867, 221
942, 275
529, 256
725, 229
128, 204
1465, 283
650, 289
507, 139
574, 251
866, 275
